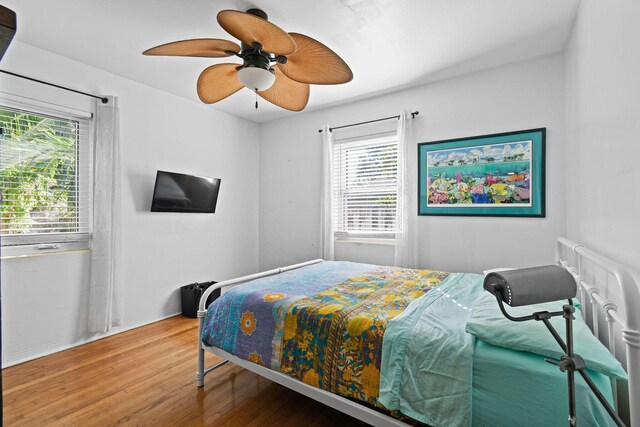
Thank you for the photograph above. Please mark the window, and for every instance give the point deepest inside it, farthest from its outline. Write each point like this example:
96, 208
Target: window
45, 179
366, 188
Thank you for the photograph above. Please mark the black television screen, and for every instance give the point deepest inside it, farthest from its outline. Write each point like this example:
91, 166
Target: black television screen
176, 192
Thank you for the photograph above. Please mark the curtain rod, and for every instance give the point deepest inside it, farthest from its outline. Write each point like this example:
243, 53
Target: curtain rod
413, 115
102, 98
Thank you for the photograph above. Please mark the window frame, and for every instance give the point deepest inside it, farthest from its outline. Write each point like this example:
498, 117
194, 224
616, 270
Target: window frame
16, 245
358, 236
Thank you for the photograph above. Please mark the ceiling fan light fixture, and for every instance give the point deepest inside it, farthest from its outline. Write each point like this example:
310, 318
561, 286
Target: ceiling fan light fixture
256, 78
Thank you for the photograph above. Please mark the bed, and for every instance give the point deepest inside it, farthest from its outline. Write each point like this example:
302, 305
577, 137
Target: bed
392, 346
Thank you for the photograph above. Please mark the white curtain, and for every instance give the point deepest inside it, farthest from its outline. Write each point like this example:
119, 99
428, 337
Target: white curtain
105, 301
406, 254
327, 223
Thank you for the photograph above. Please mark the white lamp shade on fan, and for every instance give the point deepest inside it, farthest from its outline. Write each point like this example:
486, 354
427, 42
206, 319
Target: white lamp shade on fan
255, 78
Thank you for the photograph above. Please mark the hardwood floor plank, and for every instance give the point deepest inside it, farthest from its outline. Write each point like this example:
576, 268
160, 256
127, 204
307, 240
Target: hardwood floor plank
146, 376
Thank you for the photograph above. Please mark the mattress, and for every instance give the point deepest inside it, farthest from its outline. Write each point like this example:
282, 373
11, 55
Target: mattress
521, 389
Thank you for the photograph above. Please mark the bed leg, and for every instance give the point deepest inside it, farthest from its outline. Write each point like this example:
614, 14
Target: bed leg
200, 373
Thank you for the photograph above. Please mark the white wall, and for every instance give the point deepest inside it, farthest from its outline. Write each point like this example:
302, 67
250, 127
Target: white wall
513, 97
44, 299
603, 129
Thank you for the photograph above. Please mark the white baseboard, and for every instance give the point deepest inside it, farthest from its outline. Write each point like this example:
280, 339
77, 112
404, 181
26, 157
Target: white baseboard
56, 347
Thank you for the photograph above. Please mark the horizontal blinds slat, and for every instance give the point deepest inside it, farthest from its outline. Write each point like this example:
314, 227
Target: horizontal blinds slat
366, 209
369, 164
359, 217
367, 225
72, 195
369, 214
72, 203
57, 175
383, 231
366, 221
381, 151
367, 181
367, 192
49, 231
12, 122
359, 144
351, 216
372, 213
366, 155
373, 182
385, 170
369, 200
364, 177
355, 149
356, 170
61, 222
368, 229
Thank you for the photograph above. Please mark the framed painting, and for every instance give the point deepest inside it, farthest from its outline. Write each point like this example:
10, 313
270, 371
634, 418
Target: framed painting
488, 175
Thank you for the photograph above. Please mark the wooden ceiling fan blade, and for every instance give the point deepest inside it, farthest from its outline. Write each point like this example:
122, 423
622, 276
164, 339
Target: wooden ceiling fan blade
250, 28
218, 82
315, 63
206, 48
287, 93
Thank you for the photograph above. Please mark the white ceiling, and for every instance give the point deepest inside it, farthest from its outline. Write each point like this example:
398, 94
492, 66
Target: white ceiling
389, 44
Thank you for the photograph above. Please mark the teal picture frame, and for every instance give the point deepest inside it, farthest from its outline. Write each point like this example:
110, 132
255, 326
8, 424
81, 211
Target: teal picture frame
500, 174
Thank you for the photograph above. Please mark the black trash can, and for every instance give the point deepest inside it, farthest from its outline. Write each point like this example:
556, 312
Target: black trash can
190, 296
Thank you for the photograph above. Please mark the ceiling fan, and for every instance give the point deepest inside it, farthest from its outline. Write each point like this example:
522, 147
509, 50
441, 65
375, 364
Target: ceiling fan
298, 61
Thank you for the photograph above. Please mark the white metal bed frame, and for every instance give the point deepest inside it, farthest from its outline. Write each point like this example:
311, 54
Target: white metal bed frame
591, 293
595, 276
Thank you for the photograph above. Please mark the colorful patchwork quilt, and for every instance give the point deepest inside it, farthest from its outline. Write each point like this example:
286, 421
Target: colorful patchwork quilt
322, 324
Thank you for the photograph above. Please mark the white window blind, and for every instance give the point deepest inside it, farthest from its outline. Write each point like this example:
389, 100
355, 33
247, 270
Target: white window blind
45, 177
366, 187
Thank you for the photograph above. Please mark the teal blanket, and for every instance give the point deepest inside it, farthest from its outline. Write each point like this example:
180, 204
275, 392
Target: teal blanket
427, 358
435, 372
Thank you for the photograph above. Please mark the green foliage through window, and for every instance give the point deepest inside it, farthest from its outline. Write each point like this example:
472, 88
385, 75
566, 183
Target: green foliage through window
38, 173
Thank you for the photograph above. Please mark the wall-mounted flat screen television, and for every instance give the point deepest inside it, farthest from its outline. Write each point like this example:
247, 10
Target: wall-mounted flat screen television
177, 192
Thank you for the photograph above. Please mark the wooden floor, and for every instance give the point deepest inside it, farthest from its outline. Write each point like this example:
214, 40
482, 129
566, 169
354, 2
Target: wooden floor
146, 377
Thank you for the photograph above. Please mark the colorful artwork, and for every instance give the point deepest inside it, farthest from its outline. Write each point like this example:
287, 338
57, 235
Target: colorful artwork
496, 175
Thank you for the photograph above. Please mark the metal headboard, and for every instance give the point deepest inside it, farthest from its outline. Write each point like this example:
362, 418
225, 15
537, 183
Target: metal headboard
610, 296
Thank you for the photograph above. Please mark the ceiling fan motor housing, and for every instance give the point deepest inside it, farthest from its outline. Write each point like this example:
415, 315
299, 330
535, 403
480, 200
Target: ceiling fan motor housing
259, 13
256, 59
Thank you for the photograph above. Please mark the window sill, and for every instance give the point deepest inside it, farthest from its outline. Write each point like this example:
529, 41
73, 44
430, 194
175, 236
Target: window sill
25, 251
367, 241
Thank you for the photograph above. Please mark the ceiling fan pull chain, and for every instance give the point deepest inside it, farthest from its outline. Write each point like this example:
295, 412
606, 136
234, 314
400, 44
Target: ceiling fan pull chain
256, 99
